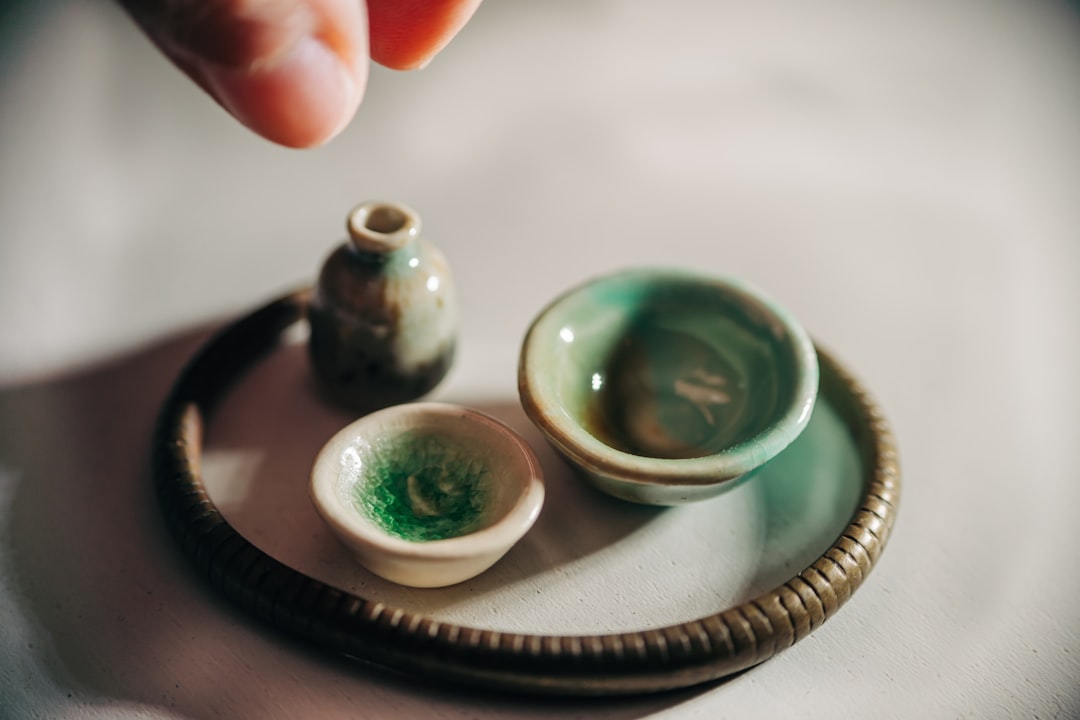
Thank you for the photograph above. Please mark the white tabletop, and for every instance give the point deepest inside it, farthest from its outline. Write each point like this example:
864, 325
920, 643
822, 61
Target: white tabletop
900, 175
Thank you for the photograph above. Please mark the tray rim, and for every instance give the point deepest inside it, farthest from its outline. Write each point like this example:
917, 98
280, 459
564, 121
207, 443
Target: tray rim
657, 659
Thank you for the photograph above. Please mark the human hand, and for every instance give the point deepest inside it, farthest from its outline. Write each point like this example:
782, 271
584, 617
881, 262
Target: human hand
294, 71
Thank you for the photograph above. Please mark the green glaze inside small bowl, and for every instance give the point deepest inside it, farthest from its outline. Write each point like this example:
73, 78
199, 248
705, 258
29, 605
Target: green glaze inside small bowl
422, 486
427, 494
666, 385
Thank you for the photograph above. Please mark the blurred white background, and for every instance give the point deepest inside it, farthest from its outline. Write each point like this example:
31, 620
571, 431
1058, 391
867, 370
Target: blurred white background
901, 175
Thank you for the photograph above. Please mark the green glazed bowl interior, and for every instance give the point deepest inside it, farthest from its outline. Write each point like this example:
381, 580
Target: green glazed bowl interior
651, 378
427, 494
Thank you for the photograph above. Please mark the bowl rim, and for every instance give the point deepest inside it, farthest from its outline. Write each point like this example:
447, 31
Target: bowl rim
595, 456
350, 525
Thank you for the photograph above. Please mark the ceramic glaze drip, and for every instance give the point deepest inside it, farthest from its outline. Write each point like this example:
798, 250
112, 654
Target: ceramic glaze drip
668, 392
423, 487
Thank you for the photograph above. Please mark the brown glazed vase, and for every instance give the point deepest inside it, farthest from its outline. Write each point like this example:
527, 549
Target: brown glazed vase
383, 317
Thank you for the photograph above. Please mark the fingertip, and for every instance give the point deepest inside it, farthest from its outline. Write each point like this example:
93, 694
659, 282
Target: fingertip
407, 34
294, 71
303, 100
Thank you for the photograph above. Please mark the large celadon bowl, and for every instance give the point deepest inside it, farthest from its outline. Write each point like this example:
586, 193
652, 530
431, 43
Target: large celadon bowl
666, 386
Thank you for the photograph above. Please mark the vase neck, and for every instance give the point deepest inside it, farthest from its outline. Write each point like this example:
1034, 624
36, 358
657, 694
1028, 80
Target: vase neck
382, 228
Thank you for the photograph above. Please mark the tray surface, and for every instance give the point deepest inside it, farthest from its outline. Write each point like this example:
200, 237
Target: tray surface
825, 507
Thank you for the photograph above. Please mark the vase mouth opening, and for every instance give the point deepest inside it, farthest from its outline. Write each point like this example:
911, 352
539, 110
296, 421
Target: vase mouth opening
382, 226
386, 219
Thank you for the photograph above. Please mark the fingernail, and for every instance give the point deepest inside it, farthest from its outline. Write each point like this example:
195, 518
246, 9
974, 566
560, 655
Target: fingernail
303, 99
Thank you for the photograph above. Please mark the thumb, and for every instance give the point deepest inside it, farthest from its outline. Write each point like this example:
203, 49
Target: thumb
294, 71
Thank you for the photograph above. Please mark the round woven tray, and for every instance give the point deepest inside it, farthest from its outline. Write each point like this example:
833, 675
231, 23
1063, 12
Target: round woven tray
656, 659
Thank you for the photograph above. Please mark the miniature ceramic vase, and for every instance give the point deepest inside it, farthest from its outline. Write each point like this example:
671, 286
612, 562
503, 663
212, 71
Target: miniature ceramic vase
383, 317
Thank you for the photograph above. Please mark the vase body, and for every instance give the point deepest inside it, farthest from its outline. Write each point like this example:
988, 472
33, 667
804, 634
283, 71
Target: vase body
383, 316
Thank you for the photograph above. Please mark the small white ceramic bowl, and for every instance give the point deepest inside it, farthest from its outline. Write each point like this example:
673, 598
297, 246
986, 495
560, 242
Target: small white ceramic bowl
427, 494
